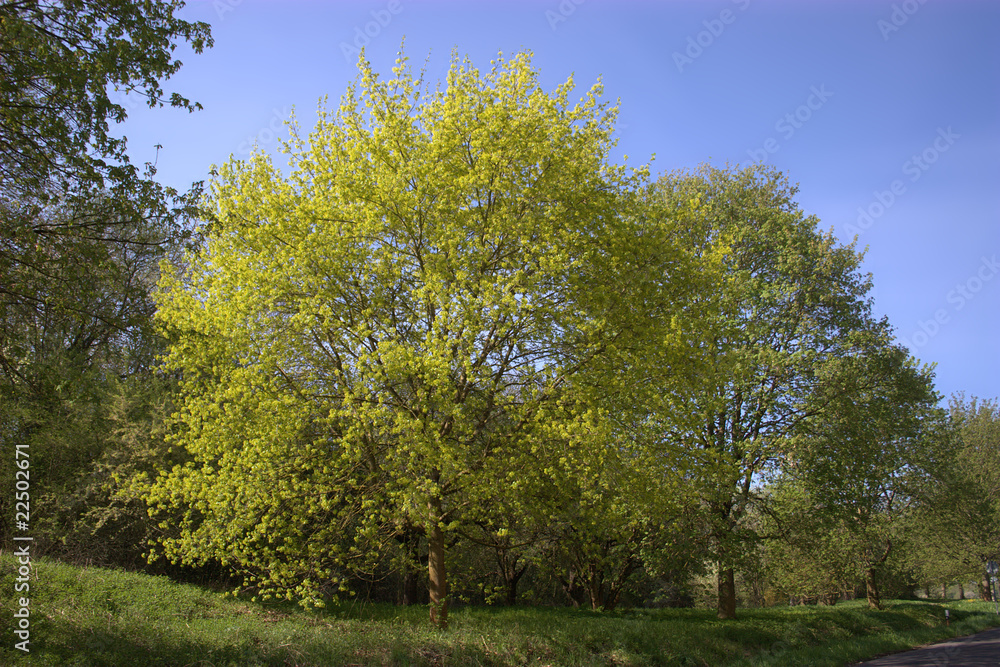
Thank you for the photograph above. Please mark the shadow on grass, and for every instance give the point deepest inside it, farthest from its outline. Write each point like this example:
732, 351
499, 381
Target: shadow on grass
62, 643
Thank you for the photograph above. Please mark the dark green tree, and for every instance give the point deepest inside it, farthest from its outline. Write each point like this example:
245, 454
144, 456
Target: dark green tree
790, 300
957, 524
865, 460
81, 228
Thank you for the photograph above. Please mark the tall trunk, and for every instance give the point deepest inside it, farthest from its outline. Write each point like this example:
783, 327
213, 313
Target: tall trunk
437, 575
944, 591
727, 592
411, 593
961, 591
874, 601
595, 587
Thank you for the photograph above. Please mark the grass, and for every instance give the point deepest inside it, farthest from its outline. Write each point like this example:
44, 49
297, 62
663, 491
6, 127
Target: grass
88, 616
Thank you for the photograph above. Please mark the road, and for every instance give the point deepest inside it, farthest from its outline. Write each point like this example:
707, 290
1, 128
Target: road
979, 650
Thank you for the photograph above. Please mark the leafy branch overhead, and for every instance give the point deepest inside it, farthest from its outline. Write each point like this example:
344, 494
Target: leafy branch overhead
61, 62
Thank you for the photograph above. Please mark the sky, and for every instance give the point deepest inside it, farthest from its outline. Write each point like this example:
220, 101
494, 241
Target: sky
885, 113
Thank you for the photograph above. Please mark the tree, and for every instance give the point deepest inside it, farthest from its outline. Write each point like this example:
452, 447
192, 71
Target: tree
75, 324
60, 60
789, 300
956, 525
868, 455
81, 230
808, 552
411, 307
73, 210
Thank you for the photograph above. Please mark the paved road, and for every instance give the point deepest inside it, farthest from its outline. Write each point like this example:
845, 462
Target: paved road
978, 650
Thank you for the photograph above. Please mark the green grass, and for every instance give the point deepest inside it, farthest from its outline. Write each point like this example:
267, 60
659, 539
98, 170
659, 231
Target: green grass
87, 616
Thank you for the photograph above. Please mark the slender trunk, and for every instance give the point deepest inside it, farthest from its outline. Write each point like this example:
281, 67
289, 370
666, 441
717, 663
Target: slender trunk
409, 592
961, 591
437, 575
570, 588
595, 587
874, 601
618, 585
507, 562
727, 592
944, 591
927, 591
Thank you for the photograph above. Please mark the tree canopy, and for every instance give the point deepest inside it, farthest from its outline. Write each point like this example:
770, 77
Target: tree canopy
790, 301
61, 62
412, 305
81, 229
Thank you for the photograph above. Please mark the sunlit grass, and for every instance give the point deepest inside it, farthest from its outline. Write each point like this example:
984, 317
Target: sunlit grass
86, 616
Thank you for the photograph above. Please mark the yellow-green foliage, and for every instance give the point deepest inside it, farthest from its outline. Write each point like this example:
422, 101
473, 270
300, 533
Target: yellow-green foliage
395, 331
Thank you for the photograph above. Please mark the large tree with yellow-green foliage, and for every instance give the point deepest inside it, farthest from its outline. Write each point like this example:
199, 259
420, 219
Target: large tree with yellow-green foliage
413, 323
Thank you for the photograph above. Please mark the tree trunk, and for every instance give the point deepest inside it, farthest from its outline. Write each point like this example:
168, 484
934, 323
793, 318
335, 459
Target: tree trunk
874, 601
944, 591
727, 592
961, 591
511, 573
411, 588
570, 588
618, 584
595, 587
437, 575
410, 592
512, 580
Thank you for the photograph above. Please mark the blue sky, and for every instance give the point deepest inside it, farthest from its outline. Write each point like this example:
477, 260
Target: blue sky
886, 113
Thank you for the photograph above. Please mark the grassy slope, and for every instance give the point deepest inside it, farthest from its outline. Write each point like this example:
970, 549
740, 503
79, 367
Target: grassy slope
102, 617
